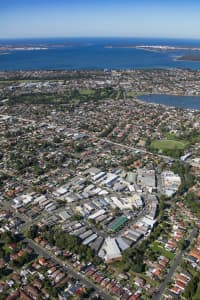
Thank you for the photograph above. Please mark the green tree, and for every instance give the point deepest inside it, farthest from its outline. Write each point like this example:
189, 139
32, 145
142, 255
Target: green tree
32, 232
182, 244
191, 288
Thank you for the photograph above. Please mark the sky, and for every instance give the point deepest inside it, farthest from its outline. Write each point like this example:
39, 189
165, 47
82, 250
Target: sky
100, 18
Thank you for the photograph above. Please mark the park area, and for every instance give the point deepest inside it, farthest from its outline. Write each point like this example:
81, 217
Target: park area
159, 248
168, 145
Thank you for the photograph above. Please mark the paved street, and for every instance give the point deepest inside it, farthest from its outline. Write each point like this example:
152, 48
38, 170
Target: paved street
173, 268
68, 268
137, 149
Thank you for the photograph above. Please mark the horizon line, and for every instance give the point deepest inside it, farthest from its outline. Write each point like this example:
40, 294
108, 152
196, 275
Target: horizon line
101, 37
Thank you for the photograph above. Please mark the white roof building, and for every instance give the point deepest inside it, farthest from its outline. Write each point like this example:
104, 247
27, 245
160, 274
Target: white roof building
64, 215
110, 251
170, 183
97, 214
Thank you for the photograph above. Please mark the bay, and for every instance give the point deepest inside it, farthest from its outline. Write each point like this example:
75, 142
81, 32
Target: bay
95, 53
189, 102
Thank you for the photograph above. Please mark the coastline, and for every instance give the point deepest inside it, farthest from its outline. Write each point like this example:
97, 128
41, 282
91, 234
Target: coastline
91, 53
188, 58
159, 48
171, 105
31, 47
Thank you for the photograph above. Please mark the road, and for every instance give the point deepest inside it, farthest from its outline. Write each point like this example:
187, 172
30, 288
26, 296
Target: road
137, 149
68, 268
173, 268
27, 221
106, 140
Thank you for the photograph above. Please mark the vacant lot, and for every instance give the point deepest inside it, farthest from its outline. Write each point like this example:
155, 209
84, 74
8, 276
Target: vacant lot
168, 144
157, 247
87, 92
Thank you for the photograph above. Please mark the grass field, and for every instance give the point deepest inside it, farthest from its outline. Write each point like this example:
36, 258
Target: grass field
168, 144
131, 94
87, 92
159, 248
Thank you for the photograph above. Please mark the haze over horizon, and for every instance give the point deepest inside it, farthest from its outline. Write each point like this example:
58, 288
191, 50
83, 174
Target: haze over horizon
100, 18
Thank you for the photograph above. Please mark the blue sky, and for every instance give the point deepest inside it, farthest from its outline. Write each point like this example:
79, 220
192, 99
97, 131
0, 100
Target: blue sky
112, 18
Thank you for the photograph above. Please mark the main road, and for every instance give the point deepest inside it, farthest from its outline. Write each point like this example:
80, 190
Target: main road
136, 149
65, 265
173, 268
68, 269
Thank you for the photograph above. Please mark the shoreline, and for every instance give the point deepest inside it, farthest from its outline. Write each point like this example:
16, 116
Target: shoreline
183, 58
168, 105
31, 47
159, 48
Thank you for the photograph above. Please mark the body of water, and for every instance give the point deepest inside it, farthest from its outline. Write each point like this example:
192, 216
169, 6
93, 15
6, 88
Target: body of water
93, 53
190, 102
